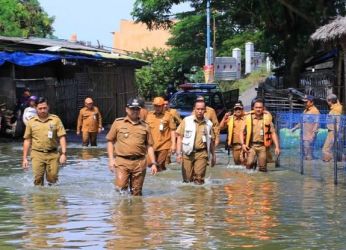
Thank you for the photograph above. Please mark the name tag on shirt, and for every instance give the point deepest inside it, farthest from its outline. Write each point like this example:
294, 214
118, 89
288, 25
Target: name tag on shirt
50, 134
204, 138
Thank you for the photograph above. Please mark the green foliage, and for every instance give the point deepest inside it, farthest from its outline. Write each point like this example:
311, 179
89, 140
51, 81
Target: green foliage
24, 18
245, 83
153, 80
281, 28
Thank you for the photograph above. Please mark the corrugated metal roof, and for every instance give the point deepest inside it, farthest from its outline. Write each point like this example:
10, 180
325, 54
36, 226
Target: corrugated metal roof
46, 42
62, 46
103, 55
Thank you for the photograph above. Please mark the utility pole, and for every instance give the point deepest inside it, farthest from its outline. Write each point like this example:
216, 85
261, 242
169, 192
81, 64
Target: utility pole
208, 33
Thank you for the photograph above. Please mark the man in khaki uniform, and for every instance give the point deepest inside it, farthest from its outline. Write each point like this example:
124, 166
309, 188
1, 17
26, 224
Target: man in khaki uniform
177, 120
162, 128
310, 126
42, 134
195, 145
334, 113
130, 140
175, 114
89, 122
211, 115
260, 132
235, 124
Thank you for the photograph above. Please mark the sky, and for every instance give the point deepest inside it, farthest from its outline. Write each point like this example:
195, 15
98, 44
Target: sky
91, 20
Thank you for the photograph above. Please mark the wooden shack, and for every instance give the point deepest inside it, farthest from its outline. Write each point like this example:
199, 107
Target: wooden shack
333, 36
71, 73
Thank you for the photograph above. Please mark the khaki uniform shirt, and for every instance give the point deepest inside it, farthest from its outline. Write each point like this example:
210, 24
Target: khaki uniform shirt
161, 136
176, 116
238, 125
143, 114
310, 127
130, 139
258, 129
211, 115
89, 120
335, 110
44, 134
200, 131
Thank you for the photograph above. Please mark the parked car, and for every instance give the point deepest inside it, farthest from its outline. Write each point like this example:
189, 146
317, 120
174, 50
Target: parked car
184, 99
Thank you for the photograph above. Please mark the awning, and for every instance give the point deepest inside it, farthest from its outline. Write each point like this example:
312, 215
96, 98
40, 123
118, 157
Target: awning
32, 59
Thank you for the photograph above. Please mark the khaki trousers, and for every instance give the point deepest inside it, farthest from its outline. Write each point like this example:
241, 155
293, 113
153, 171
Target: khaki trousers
89, 137
161, 158
45, 164
194, 167
328, 146
257, 153
236, 152
130, 174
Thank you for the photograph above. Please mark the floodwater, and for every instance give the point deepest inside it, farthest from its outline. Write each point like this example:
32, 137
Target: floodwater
236, 208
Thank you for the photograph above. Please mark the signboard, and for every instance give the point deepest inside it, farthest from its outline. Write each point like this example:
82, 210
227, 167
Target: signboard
227, 68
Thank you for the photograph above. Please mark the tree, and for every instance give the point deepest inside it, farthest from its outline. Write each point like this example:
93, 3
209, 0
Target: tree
24, 18
284, 27
153, 80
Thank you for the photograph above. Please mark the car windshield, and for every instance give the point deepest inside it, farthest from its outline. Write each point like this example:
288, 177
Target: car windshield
187, 100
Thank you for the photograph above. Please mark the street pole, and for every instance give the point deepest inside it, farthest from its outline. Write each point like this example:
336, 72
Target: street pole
208, 34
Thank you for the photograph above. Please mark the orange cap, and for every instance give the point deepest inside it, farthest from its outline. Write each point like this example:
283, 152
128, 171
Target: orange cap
158, 101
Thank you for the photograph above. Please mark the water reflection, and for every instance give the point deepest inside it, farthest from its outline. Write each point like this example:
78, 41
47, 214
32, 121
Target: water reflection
43, 216
234, 209
129, 227
250, 211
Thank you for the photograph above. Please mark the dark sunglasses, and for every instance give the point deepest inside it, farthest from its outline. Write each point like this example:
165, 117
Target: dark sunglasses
238, 109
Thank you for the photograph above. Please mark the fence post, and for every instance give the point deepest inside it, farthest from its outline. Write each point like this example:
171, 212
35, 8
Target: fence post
301, 146
277, 159
335, 152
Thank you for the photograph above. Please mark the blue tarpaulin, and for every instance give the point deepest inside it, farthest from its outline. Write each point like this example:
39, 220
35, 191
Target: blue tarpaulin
32, 59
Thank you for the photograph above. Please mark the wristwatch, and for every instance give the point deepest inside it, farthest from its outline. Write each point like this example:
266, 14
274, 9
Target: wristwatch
154, 163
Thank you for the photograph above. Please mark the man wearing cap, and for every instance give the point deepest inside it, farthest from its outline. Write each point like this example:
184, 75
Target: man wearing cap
195, 144
334, 114
211, 115
258, 135
235, 124
162, 128
310, 126
128, 142
30, 111
89, 122
44, 133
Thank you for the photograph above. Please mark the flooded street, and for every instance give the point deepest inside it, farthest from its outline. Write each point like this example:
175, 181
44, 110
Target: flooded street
235, 208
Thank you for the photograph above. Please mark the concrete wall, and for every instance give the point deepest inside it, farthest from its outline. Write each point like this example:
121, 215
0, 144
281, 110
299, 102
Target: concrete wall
136, 37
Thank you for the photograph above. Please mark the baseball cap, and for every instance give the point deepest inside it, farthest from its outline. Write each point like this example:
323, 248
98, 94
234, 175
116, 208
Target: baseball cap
33, 98
133, 103
238, 105
158, 101
308, 98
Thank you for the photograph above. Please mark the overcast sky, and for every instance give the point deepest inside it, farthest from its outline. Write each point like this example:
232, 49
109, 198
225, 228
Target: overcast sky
91, 20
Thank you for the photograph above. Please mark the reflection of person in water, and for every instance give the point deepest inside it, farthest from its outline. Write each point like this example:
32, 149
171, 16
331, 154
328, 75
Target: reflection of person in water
253, 216
43, 216
129, 229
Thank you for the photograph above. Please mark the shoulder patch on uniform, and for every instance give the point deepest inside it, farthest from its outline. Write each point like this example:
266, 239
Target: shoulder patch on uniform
120, 118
